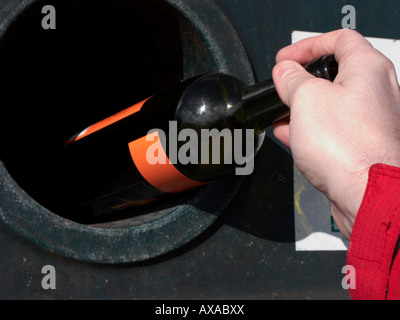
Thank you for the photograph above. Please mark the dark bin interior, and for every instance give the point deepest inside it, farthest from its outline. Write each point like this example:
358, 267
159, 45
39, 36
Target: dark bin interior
103, 57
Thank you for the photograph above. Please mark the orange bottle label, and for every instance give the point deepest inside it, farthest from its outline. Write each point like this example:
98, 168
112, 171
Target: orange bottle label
108, 121
163, 176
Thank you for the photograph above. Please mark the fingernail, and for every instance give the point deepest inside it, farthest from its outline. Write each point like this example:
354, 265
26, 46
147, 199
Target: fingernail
285, 69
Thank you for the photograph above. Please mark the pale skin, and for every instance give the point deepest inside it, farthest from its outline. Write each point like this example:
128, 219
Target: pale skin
338, 130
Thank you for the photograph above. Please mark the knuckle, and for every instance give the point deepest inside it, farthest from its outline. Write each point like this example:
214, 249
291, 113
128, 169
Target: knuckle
348, 35
384, 65
387, 64
380, 60
349, 32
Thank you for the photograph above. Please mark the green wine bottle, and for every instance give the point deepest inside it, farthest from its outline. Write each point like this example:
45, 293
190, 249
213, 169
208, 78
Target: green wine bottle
206, 127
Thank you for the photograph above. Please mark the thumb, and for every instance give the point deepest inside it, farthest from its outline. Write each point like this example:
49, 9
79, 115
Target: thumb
288, 76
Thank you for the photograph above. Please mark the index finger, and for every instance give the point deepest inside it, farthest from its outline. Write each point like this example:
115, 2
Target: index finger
339, 42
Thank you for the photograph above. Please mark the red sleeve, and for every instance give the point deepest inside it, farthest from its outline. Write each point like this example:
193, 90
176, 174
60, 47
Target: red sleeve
375, 235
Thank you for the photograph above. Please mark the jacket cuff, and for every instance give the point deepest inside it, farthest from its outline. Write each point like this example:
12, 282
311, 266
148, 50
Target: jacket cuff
375, 233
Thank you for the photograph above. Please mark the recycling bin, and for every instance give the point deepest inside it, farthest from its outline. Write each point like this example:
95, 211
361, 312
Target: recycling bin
234, 238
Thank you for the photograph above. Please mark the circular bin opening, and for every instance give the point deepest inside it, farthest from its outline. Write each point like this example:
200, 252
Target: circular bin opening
102, 57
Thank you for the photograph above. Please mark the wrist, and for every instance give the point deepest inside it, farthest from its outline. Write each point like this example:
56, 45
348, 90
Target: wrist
346, 203
354, 192
346, 199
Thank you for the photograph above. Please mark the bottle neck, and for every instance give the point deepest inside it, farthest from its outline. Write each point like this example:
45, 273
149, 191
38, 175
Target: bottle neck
262, 105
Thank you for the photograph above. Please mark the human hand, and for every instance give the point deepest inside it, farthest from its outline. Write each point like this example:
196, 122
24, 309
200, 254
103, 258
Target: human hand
338, 130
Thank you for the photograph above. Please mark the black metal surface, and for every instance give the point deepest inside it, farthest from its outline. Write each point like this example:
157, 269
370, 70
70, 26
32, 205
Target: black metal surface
110, 70
249, 251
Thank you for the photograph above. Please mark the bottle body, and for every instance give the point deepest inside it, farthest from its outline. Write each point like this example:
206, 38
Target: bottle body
205, 128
